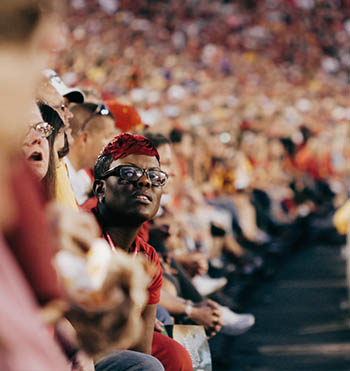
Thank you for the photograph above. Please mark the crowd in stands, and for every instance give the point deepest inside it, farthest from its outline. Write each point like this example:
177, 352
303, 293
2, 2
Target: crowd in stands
160, 159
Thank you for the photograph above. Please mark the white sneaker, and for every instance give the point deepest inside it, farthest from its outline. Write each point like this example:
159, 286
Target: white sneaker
207, 285
234, 323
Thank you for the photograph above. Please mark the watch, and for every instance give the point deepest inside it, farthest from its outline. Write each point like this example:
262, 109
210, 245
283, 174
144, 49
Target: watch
188, 308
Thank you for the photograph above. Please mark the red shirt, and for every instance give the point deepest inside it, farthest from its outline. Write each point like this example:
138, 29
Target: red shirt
156, 285
141, 247
30, 239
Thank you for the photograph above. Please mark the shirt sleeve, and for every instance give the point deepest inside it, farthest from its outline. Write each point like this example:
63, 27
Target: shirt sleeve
156, 284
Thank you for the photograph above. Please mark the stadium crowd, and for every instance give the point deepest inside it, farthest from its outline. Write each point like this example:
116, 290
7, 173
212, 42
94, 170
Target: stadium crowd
159, 160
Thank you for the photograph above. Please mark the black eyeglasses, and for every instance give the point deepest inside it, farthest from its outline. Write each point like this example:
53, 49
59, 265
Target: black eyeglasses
42, 127
158, 178
100, 109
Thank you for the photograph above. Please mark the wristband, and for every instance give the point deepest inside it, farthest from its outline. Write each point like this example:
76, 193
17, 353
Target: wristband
188, 308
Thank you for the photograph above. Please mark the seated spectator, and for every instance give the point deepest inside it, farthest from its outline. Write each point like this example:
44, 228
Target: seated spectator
26, 342
48, 94
39, 148
184, 300
92, 128
128, 186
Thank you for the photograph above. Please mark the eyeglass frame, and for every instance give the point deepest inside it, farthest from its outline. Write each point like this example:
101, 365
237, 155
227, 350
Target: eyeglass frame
97, 111
43, 135
117, 172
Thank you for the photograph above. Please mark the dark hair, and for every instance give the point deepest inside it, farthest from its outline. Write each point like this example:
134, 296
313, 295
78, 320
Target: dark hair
176, 135
65, 150
156, 138
51, 116
288, 145
102, 165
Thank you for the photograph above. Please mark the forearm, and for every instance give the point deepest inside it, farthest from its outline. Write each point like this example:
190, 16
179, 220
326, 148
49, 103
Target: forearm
174, 304
145, 343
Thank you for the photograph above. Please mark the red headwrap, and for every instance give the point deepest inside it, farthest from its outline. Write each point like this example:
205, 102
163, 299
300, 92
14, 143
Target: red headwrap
126, 144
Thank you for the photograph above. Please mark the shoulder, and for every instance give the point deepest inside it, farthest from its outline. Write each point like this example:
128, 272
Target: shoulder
147, 249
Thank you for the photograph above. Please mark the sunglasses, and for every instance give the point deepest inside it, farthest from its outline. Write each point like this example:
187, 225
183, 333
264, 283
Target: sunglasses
42, 127
158, 178
100, 109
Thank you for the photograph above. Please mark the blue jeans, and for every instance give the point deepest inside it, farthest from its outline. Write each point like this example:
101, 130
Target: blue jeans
128, 360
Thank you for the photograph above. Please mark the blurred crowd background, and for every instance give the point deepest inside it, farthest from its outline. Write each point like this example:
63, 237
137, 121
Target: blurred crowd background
248, 104
236, 76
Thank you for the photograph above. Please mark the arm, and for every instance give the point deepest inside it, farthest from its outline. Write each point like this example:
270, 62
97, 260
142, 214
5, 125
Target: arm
206, 313
194, 263
149, 317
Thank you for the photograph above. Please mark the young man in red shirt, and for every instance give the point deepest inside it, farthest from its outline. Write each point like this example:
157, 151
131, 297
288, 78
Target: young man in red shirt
128, 186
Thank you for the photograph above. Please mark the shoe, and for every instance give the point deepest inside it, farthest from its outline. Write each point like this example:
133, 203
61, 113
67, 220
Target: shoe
206, 285
235, 324
225, 300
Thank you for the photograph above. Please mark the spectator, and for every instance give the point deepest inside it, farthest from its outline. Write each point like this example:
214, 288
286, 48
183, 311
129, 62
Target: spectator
126, 199
92, 128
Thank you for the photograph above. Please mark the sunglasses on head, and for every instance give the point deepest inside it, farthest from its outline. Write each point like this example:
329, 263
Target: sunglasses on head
100, 109
158, 178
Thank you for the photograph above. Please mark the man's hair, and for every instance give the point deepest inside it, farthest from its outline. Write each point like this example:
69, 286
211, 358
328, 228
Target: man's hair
156, 138
176, 135
51, 116
121, 146
83, 112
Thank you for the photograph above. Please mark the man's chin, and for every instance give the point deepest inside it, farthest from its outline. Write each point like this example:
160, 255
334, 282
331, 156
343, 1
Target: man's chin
132, 220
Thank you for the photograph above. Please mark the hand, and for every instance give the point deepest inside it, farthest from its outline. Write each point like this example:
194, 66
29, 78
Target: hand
110, 318
207, 313
158, 325
74, 229
194, 263
82, 362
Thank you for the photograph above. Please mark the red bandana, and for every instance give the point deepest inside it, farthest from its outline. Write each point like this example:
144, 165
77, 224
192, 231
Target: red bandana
127, 144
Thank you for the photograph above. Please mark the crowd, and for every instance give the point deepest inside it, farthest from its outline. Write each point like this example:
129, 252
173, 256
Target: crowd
158, 160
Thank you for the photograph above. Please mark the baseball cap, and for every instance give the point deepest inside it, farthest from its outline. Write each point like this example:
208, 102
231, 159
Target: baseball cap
72, 94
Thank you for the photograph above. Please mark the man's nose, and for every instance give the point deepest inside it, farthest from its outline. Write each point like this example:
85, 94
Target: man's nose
144, 181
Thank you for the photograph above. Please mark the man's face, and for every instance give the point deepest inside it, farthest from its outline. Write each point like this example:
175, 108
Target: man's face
98, 137
35, 147
133, 202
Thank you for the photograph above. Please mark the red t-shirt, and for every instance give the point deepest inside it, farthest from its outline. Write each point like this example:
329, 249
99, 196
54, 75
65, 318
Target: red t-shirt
156, 285
142, 247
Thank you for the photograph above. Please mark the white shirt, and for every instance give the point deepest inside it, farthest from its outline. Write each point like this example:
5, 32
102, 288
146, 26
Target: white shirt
80, 181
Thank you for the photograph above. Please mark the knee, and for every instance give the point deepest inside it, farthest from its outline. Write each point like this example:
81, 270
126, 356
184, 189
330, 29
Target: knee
150, 363
128, 360
172, 355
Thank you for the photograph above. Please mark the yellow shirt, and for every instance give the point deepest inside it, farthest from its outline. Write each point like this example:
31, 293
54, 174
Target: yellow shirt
341, 218
64, 191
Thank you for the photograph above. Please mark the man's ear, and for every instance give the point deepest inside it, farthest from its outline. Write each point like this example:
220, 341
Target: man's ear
99, 189
84, 136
